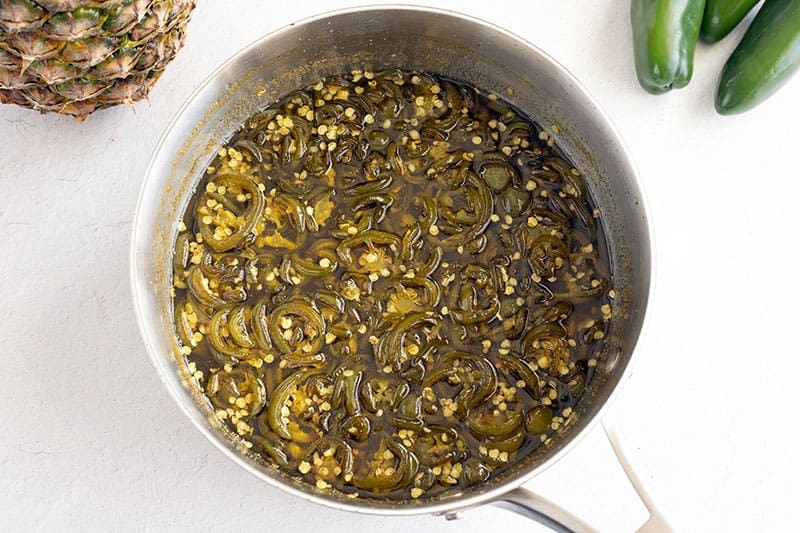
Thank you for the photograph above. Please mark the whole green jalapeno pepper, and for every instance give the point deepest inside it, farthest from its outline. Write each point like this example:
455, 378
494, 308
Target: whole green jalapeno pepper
665, 35
721, 16
767, 56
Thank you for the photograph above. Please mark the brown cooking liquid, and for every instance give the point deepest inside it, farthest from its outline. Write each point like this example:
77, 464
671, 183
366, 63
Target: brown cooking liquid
392, 285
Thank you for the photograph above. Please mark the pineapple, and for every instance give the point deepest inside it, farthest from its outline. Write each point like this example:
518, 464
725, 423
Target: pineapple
77, 56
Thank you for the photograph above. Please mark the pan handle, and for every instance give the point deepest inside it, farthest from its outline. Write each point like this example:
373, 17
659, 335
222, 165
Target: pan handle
533, 506
530, 505
657, 523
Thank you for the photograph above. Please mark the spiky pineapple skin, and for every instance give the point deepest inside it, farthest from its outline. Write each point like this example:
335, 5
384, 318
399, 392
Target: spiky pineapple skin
77, 56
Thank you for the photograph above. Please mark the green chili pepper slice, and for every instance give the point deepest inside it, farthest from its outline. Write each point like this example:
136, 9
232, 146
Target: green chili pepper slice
516, 366
538, 420
491, 425
406, 467
390, 350
310, 337
221, 323
369, 237
239, 385
479, 379
249, 219
276, 419
199, 285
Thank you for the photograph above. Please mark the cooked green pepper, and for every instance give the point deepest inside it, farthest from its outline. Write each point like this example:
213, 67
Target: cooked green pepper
516, 366
181, 259
475, 471
515, 201
221, 323
369, 187
351, 382
221, 241
312, 331
479, 377
357, 427
240, 384
406, 467
367, 396
433, 262
765, 59
259, 324
370, 238
497, 174
721, 16
200, 288
538, 420
665, 34
495, 425
341, 450
390, 349
183, 326
274, 450
276, 419
314, 270
508, 444
438, 446
429, 293
237, 327
475, 280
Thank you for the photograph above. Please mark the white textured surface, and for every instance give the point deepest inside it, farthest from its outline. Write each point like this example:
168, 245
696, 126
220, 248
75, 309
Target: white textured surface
92, 441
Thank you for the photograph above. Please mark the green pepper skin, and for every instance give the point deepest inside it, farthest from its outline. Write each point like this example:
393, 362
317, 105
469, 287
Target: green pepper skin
765, 59
665, 35
721, 16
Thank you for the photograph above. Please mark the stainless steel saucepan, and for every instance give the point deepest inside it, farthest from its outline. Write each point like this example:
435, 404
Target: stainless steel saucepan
408, 38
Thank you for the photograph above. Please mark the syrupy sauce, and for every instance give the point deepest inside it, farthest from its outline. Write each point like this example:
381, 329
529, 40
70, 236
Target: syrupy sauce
392, 285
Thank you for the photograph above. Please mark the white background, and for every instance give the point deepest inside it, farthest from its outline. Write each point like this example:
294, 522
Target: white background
90, 439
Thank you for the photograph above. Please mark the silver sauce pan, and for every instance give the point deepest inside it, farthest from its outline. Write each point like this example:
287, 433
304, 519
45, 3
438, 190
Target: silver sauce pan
408, 38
